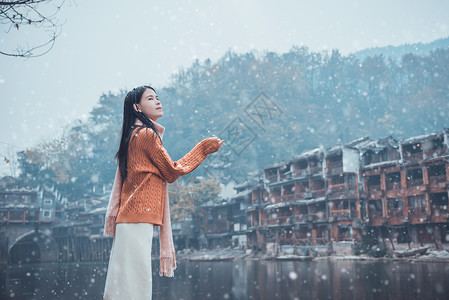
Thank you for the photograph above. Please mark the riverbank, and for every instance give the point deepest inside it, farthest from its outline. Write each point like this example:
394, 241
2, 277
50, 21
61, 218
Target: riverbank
223, 254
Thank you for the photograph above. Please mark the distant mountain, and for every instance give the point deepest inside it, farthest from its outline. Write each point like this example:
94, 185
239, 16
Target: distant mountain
396, 52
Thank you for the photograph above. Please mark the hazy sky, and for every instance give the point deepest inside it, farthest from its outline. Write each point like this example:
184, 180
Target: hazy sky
110, 45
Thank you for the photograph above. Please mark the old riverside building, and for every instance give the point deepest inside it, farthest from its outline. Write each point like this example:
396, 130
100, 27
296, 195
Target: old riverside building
328, 200
323, 200
38, 225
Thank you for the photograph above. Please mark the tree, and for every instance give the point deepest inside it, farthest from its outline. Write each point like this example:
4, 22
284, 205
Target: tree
186, 199
17, 14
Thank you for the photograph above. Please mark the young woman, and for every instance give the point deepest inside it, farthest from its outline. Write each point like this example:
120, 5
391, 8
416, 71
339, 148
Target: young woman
139, 198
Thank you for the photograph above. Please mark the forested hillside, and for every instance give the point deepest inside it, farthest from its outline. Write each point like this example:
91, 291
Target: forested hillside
321, 99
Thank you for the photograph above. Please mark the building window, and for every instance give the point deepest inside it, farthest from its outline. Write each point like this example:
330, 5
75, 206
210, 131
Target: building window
375, 208
416, 204
393, 181
47, 213
395, 206
48, 201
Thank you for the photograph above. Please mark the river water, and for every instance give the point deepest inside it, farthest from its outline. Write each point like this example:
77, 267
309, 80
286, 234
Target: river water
240, 280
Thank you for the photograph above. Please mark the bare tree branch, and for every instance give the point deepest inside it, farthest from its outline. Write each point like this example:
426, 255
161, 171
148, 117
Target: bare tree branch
17, 14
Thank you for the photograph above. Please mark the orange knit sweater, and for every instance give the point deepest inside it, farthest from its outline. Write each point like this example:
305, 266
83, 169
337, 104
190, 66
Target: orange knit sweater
149, 168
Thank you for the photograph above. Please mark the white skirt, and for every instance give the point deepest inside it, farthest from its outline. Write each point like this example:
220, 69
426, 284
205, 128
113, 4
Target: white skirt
129, 272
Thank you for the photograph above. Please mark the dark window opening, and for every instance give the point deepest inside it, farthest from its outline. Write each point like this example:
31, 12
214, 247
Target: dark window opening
337, 180
438, 199
414, 174
393, 181
438, 170
375, 205
412, 148
373, 180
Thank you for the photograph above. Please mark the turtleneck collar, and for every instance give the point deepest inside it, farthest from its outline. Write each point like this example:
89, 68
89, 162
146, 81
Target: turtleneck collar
160, 129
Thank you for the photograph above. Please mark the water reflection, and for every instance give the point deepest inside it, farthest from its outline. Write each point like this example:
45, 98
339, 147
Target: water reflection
241, 280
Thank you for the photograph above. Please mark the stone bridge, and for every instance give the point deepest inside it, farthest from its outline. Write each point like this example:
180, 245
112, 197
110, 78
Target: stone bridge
27, 243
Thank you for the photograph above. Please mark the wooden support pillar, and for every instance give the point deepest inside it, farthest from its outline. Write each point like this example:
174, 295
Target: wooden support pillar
314, 237
447, 172
357, 196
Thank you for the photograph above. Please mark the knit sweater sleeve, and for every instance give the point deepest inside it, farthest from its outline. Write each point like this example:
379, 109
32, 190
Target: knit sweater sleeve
172, 170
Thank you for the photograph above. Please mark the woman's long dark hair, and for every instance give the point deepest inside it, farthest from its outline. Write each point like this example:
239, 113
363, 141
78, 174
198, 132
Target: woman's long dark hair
129, 118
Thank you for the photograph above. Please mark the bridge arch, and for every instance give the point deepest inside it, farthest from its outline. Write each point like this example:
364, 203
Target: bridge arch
33, 247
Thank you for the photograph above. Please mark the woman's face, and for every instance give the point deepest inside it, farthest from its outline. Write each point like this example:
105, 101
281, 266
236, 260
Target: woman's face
150, 105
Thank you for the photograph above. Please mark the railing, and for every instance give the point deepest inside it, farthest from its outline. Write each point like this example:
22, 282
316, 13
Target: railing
278, 221
439, 212
288, 198
311, 217
412, 157
343, 214
375, 214
302, 195
335, 170
319, 216
341, 188
301, 218
219, 227
273, 178
395, 213
302, 172
393, 186
285, 176
435, 180
318, 193
374, 188
335, 164
418, 211
414, 183
435, 153
316, 170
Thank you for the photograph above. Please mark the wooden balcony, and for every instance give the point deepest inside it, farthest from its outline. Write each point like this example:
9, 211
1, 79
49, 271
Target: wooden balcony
303, 195
335, 170
413, 157
439, 215
395, 213
416, 183
434, 153
219, 226
417, 217
318, 193
278, 221
343, 215
377, 221
437, 183
317, 217
302, 172
393, 186
374, 214
301, 218
397, 220
340, 191
287, 198
374, 191
316, 170
273, 178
